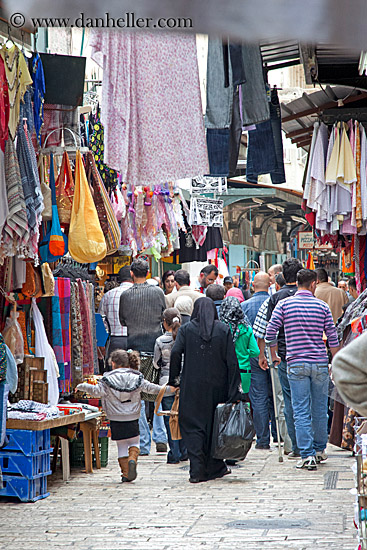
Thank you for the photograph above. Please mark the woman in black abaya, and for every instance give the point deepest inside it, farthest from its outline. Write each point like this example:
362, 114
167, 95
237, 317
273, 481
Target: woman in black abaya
210, 376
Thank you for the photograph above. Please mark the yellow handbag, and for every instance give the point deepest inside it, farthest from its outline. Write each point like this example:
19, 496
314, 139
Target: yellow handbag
87, 243
174, 426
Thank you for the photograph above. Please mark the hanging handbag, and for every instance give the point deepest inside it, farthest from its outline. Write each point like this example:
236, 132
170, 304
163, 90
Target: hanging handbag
45, 190
150, 373
174, 426
106, 214
48, 280
54, 245
64, 191
86, 239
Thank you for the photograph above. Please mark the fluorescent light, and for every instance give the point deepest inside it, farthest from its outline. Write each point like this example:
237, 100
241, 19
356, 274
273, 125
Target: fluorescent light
276, 208
258, 201
298, 219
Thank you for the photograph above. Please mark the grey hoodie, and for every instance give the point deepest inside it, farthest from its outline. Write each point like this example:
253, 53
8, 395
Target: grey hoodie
120, 392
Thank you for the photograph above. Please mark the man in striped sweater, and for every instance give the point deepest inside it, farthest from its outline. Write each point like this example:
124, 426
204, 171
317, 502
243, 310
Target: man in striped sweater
305, 320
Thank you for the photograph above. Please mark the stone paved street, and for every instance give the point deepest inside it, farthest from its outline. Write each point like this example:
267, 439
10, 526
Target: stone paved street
262, 505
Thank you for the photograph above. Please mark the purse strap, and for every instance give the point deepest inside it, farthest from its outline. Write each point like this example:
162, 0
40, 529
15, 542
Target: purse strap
65, 170
158, 402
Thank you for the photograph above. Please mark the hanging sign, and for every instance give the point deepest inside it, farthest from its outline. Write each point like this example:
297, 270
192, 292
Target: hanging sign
208, 212
305, 239
208, 184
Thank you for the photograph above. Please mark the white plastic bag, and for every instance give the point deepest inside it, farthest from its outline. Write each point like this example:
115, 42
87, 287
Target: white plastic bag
13, 337
43, 349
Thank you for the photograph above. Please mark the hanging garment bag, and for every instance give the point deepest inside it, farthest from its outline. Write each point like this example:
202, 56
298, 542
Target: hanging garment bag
86, 239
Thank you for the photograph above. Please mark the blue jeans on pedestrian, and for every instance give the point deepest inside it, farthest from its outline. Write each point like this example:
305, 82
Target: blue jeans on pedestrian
159, 431
262, 403
288, 409
177, 449
309, 384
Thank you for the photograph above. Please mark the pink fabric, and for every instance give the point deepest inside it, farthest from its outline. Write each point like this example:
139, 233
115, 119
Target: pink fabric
151, 105
236, 293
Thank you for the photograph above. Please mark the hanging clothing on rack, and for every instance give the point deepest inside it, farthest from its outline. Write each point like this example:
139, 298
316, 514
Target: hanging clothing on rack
18, 78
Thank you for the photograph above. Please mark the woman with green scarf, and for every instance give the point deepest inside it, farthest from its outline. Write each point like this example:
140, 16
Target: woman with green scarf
231, 314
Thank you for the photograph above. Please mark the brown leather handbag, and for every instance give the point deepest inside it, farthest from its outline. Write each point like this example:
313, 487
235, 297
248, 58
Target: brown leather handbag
64, 191
173, 413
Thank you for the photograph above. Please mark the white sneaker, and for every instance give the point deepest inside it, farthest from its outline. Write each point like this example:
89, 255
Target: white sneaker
309, 463
321, 457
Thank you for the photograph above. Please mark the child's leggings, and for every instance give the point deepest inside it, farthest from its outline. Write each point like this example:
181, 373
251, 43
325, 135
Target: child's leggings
124, 444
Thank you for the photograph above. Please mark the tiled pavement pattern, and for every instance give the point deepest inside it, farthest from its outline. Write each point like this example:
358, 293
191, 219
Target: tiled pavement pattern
262, 505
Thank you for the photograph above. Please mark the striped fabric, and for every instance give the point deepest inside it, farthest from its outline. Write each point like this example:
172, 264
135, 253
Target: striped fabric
106, 215
305, 319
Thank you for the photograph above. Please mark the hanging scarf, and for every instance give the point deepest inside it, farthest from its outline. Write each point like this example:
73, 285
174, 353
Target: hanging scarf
39, 90
231, 314
16, 231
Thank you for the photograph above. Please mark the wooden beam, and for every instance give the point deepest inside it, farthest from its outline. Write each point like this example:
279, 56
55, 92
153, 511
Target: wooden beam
304, 143
325, 107
307, 130
301, 138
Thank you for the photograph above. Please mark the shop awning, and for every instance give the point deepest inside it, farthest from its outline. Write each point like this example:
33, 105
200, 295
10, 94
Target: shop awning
336, 102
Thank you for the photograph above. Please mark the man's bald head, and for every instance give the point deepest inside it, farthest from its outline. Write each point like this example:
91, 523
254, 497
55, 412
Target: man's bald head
273, 270
261, 282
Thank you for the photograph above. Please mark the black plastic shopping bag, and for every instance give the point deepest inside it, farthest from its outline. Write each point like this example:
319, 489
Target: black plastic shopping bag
233, 431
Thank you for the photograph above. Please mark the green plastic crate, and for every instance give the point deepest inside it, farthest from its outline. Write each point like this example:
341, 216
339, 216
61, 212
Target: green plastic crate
77, 453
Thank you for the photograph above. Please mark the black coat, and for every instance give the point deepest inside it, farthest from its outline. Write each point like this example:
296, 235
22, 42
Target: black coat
210, 375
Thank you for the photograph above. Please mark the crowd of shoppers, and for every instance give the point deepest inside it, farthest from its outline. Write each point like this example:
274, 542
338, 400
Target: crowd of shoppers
214, 343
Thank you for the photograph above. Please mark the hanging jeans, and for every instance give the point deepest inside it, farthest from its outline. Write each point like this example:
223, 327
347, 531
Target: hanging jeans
278, 174
219, 98
255, 105
218, 151
265, 147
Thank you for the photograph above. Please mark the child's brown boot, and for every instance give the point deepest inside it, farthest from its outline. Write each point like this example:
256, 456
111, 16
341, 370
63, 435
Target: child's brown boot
124, 466
133, 461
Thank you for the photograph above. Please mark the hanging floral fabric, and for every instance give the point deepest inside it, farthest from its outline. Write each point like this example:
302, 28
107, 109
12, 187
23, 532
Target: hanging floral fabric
151, 105
18, 77
109, 176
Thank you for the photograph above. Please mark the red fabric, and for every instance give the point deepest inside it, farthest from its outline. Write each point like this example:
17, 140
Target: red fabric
4, 105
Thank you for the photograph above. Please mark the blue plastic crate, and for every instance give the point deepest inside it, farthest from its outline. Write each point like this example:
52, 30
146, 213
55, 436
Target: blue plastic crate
28, 442
31, 466
27, 490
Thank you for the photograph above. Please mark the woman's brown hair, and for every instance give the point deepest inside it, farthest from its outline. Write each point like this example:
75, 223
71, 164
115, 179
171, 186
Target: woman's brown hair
172, 317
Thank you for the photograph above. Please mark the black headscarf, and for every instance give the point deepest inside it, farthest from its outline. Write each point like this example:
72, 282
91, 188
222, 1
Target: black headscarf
205, 313
231, 314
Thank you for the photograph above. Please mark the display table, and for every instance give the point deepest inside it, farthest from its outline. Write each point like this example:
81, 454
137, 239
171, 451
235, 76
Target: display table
89, 425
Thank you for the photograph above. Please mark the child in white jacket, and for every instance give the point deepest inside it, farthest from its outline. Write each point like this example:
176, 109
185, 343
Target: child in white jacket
120, 392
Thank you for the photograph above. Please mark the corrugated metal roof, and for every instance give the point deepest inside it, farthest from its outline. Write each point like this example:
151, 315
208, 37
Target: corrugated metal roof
280, 53
299, 116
